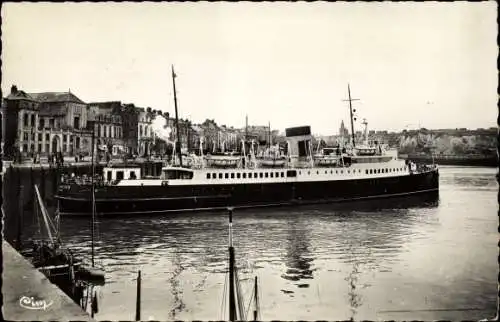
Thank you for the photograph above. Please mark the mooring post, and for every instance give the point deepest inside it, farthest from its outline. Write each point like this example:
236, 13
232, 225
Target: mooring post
256, 298
138, 298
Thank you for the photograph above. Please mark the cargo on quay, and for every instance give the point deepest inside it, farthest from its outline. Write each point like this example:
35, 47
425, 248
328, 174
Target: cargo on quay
239, 180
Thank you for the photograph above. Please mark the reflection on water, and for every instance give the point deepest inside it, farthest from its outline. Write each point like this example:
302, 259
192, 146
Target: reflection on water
298, 258
334, 262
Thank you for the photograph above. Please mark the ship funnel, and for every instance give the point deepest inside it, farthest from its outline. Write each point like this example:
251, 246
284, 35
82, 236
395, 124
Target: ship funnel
299, 140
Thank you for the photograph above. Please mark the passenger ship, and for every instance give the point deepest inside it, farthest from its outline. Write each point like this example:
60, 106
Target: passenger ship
359, 173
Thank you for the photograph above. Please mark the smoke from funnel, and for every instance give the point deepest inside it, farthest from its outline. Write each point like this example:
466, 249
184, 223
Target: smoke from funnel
159, 126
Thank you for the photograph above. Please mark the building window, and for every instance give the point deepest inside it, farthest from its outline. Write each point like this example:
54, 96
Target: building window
51, 123
25, 120
64, 148
65, 138
42, 123
25, 136
25, 147
119, 175
39, 147
32, 120
76, 122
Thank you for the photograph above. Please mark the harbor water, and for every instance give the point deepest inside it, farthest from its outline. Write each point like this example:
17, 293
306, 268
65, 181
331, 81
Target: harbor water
433, 261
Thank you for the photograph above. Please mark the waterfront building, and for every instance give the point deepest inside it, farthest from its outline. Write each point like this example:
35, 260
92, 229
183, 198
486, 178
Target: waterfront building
108, 127
130, 129
45, 124
145, 133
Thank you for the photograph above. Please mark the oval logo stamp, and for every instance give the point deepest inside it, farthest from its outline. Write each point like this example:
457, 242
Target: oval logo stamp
32, 303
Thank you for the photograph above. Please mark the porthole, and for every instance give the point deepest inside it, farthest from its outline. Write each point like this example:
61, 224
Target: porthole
371, 171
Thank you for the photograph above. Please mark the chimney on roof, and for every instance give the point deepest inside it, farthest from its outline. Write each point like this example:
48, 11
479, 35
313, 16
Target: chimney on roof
13, 89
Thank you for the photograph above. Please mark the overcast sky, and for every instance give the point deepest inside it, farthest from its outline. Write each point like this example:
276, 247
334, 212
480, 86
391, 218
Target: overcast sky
429, 64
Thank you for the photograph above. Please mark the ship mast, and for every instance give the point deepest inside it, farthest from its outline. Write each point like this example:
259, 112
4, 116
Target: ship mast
351, 113
246, 128
178, 141
92, 193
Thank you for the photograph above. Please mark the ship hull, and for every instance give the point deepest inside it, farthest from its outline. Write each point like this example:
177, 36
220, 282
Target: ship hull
147, 200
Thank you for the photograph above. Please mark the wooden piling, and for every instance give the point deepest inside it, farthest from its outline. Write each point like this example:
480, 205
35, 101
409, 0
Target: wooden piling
138, 298
42, 182
32, 183
20, 215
